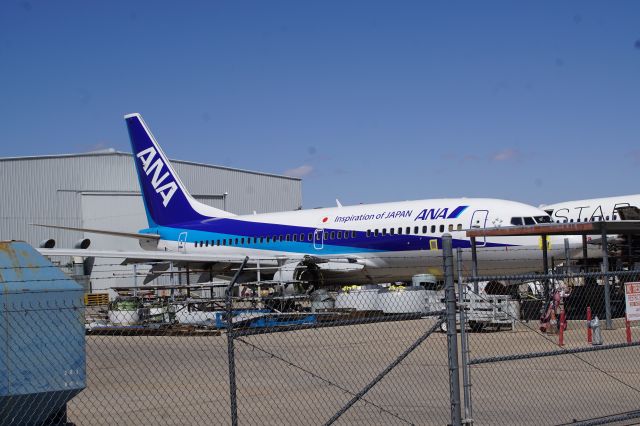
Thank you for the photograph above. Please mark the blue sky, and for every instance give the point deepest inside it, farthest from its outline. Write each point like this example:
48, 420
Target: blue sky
367, 101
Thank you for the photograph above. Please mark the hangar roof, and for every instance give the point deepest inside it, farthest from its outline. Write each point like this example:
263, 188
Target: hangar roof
113, 152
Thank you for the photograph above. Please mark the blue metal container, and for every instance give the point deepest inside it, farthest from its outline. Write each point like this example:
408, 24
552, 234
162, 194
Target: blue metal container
42, 342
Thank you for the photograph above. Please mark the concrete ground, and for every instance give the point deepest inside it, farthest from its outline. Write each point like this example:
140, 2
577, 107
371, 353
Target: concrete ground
305, 377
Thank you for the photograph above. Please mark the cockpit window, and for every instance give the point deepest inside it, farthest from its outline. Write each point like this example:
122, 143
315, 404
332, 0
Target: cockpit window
543, 219
529, 221
516, 221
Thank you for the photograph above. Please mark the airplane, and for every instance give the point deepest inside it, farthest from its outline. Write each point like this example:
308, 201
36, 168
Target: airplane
360, 244
595, 209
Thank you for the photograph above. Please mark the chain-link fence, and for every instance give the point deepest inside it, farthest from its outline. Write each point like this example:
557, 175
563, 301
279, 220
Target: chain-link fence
514, 350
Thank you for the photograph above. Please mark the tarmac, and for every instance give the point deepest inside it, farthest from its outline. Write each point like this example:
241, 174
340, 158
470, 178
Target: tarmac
306, 376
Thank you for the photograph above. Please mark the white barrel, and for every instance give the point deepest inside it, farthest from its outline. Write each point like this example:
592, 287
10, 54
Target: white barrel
360, 300
124, 317
409, 300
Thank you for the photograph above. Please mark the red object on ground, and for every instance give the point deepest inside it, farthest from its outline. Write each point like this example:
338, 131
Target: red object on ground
628, 326
561, 328
589, 335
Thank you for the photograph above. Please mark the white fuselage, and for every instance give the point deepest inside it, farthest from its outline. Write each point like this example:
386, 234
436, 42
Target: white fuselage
384, 242
594, 209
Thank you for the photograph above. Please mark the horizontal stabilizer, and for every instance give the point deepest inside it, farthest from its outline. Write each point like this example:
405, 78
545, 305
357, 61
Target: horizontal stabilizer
135, 235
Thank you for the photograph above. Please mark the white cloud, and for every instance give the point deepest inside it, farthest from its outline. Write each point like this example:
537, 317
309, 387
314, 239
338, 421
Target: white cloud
302, 171
506, 155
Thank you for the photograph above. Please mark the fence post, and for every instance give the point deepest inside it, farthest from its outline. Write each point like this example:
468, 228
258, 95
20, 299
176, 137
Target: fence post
230, 348
464, 343
607, 285
452, 335
474, 265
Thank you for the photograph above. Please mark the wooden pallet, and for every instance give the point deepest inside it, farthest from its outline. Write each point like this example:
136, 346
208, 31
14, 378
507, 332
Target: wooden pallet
94, 299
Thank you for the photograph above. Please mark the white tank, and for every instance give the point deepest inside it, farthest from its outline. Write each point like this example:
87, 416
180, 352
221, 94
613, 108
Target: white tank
403, 301
124, 317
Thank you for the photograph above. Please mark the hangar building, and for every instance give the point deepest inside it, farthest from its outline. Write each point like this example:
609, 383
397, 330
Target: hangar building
100, 190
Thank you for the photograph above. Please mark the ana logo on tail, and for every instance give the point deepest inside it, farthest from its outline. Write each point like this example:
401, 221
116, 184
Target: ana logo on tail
165, 190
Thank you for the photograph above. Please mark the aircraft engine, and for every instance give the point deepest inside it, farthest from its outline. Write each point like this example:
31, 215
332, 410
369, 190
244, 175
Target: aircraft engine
48, 244
290, 271
305, 270
82, 243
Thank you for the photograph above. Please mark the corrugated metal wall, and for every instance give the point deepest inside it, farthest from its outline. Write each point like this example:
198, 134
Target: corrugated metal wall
50, 189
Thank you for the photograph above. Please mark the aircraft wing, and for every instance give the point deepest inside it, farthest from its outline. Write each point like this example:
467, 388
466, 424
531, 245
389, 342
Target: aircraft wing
149, 256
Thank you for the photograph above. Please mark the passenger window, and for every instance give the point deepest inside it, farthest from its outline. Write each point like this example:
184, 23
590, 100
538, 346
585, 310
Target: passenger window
607, 217
408, 230
206, 243
201, 243
416, 230
301, 237
384, 231
333, 235
242, 241
224, 242
345, 235
400, 231
516, 221
236, 241
441, 228
459, 227
295, 237
287, 237
424, 229
310, 236
353, 234
368, 233
392, 231
450, 227
433, 229
375, 233
571, 220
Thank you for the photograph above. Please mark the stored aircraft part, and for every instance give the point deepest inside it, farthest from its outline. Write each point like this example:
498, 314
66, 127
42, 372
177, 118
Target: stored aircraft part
82, 244
48, 244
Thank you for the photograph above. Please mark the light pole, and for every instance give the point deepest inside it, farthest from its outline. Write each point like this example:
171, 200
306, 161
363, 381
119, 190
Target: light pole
224, 200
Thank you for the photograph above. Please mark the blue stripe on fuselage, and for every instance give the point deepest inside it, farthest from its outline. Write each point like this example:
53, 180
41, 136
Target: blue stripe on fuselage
225, 228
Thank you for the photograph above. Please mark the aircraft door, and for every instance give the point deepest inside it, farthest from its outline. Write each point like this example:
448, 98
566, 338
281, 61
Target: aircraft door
479, 220
182, 241
318, 239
